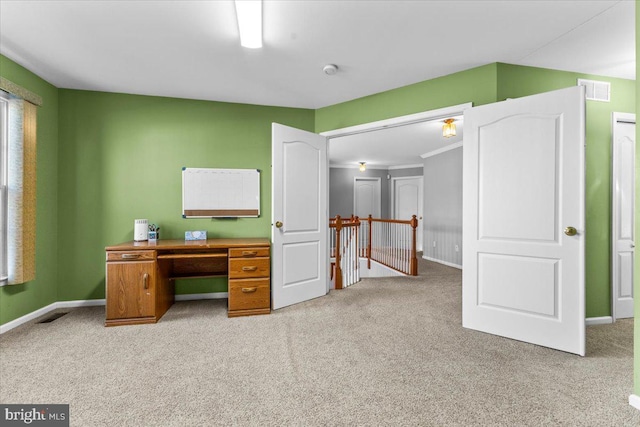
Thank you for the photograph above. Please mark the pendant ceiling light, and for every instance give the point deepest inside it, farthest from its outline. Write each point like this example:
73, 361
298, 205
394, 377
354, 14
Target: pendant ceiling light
449, 128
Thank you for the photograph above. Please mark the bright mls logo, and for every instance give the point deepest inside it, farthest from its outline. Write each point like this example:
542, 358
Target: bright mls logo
34, 415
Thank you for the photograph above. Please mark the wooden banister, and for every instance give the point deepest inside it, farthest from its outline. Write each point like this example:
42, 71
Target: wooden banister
390, 242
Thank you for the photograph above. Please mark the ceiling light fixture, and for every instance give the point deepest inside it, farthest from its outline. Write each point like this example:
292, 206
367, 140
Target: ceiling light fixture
363, 166
249, 14
449, 128
330, 69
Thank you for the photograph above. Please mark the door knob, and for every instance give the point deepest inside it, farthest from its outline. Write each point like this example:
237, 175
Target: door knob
278, 224
570, 231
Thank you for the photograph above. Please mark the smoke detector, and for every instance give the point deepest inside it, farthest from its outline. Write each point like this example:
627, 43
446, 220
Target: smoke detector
330, 69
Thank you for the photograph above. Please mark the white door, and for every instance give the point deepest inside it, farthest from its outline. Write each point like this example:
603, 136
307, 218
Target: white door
523, 198
407, 201
300, 258
623, 213
366, 197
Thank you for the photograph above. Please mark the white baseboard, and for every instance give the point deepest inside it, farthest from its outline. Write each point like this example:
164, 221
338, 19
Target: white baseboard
81, 303
92, 303
604, 320
210, 295
634, 401
49, 308
439, 261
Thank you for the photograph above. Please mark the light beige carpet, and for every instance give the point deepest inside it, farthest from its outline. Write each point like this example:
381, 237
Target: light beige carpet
382, 352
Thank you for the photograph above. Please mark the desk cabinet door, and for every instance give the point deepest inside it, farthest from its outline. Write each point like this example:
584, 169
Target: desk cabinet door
130, 289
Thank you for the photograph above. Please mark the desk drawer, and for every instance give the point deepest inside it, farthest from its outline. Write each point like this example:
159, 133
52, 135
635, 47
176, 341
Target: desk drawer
248, 252
249, 294
240, 268
130, 255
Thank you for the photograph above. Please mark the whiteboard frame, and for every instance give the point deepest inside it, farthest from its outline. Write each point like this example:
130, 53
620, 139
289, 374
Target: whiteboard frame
226, 211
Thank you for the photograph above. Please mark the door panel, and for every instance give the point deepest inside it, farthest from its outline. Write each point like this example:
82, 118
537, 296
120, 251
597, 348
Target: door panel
506, 166
519, 284
300, 167
523, 184
300, 216
300, 264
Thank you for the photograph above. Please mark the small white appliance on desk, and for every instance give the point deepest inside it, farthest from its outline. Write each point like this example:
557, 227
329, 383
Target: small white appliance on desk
141, 230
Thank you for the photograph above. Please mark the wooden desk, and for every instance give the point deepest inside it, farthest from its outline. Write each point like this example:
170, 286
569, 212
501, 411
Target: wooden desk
140, 276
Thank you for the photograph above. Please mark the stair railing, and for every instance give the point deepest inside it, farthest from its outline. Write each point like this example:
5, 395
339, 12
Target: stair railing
344, 248
390, 242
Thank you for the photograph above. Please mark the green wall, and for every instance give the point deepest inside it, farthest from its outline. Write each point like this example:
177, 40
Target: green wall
121, 158
496, 82
477, 85
18, 300
105, 159
515, 81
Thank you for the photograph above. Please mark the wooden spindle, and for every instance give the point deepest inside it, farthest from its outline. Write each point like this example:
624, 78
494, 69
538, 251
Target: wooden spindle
370, 219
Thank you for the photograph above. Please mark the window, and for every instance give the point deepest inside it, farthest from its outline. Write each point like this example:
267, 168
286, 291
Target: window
19, 118
4, 135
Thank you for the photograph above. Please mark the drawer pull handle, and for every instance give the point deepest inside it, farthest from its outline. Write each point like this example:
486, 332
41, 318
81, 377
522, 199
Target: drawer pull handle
249, 253
250, 268
249, 290
130, 256
145, 281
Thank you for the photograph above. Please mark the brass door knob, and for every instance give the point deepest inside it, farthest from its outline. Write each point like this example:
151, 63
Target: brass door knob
278, 224
570, 231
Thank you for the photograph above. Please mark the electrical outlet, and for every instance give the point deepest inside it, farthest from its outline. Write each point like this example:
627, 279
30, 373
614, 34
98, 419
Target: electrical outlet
457, 248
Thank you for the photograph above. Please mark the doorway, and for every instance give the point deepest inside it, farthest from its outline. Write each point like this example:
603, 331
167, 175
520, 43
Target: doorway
406, 200
366, 197
623, 193
428, 121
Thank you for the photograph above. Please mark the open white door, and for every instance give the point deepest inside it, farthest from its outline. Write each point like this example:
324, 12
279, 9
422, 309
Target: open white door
300, 258
523, 226
623, 182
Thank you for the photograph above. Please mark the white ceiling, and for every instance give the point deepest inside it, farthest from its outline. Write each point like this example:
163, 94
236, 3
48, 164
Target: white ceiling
191, 49
392, 147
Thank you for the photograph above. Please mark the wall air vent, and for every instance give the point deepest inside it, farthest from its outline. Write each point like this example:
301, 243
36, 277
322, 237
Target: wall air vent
596, 91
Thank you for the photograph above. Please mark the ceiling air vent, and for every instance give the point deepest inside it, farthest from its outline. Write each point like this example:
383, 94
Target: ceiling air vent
596, 91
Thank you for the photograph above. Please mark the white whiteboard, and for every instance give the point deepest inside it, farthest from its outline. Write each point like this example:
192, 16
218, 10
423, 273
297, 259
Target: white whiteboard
209, 193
